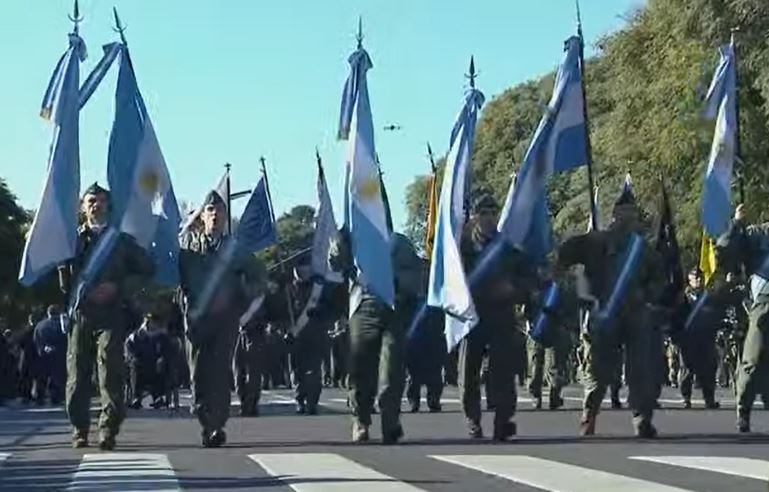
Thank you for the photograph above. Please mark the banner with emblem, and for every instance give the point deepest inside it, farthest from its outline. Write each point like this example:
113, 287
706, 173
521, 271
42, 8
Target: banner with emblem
143, 200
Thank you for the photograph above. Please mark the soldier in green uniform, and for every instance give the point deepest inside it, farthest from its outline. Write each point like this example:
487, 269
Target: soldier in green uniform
99, 325
212, 332
378, 337
547, 363
496, 297
248, 360
600, 252
745, 247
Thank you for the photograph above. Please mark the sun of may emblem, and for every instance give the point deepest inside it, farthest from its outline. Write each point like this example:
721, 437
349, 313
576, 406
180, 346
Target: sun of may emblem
369, 188
149, 181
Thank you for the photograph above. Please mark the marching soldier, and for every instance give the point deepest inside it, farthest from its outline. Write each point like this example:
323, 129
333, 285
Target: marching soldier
698, 346
495, 299
378, 336
747, 247
98, 327
212, 336
600, 253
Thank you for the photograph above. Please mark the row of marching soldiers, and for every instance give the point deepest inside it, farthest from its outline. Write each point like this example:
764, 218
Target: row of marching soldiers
379, 343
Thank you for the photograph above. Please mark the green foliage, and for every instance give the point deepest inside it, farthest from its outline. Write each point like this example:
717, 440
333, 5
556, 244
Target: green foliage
645, 92
295, 232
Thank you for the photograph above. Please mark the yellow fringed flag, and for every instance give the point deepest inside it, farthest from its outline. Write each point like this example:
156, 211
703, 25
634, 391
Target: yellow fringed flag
707, 258
432, 210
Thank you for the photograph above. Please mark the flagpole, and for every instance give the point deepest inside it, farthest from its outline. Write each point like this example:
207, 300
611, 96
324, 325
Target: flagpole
64, 271
737, 139
589, 147
289, 299
119, 27
228, 167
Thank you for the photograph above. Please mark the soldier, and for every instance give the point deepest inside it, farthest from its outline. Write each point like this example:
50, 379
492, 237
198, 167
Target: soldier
213, 333
600, 252
425, 358
548, 363
697, 344
99, 325
248, 362
496, 297
51, 344
747, 247
378, 337
308, 347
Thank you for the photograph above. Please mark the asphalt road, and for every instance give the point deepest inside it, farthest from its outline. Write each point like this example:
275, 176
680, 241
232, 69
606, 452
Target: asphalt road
279, 451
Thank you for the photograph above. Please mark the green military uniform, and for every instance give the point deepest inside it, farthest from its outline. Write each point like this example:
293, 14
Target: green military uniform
247, 365
97, 333
748, 247
600, 252
212, 337
495, 296
378, 337
548, 363
307, 350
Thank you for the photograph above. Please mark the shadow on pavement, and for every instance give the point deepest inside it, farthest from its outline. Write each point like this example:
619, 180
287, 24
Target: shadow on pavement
42, 475
223, 483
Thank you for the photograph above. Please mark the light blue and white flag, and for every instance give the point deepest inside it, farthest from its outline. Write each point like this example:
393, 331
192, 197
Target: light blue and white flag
366, 215
448, 288
721, 105
256, 229
325, 230
53, 237
143, 200
559, 144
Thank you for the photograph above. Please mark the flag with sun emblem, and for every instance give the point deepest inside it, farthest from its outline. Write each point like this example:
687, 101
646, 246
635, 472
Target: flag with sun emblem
366, 216
143, 200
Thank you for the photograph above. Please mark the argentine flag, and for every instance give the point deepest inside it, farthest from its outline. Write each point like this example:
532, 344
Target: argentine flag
365, 213
559, 144
143, 201
325, 229
447, 287
53, 237
721, 105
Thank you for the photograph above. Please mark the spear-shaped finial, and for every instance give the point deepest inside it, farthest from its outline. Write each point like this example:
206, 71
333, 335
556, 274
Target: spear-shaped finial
430, 155
579, 20
472, 73
318, 160
119, 27
359, 36
76, 18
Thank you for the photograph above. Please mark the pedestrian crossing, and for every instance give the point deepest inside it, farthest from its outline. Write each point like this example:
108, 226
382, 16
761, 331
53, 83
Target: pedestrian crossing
332, 472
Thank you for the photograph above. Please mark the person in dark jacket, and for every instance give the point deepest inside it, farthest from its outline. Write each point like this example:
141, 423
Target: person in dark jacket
51, 349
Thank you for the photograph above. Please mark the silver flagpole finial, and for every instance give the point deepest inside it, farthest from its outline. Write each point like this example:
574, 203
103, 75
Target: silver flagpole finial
472, 75
359, 36
119, 27
76, 18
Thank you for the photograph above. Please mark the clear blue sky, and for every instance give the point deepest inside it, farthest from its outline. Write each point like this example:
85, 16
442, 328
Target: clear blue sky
228, 81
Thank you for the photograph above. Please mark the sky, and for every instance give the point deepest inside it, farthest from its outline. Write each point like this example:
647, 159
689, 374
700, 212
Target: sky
233, 80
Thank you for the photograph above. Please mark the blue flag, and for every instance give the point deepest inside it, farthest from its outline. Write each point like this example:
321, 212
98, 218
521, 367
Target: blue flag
53, 237
721, 105
143, 200
448, 288
365, 214
256, 229
559, 144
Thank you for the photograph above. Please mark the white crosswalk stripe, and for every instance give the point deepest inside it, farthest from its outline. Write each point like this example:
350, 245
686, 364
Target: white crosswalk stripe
124, 472
741, 467
326, 472
552, 475
3, 457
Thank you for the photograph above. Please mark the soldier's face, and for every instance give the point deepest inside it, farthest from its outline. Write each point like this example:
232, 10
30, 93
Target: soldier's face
695, 281
486, 220
213, 217
95, 208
